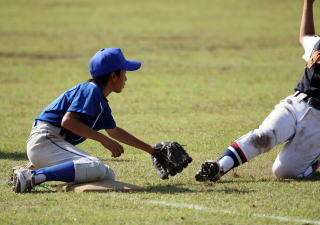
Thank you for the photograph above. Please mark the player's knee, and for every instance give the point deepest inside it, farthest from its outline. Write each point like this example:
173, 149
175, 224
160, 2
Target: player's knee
289, 171
89, 169
278, 171
282, 171
263, 140
110, 174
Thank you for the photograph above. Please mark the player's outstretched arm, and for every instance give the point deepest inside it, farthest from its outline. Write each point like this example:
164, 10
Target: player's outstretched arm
168, 158
307, 22
125, 137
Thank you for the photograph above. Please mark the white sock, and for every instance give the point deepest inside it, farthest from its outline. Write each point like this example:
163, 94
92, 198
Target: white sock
227, 163
40, 178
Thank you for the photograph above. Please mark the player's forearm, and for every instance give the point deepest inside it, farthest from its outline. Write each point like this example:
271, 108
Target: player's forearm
123, 136
79, 128
307, 22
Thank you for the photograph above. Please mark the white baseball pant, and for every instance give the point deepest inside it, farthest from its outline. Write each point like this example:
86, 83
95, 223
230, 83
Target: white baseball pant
292, 121
46, 147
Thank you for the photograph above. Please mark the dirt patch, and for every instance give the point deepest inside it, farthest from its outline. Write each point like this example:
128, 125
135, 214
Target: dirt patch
262, 140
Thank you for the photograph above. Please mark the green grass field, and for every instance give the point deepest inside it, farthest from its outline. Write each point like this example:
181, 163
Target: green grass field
212, 70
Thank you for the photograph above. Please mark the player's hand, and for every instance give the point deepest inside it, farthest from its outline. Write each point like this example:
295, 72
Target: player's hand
115, 148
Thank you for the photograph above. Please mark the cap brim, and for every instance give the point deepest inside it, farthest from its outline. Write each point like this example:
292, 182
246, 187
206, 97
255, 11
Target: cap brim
131, 65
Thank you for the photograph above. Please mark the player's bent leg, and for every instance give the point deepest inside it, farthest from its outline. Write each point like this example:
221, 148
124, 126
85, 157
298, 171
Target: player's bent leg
241, 151
252, 144
78, 171
277, 128
300, 156
46, 147
89, 169
297, 161
110, 174
281, 170
25, 179
255, 143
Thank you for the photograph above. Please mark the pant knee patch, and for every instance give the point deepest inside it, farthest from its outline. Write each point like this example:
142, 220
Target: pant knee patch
263, 139
89, 169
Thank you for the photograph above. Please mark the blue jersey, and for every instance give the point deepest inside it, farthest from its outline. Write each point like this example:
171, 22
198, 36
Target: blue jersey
85, 98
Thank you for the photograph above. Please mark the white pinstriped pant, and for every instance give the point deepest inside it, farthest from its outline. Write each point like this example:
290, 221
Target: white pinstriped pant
46, 147
292, 121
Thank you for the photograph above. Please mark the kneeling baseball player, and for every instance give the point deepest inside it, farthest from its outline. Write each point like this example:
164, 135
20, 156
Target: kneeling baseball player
295, 120
79, 113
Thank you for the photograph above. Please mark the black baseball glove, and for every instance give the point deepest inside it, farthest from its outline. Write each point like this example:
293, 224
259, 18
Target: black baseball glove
169, 158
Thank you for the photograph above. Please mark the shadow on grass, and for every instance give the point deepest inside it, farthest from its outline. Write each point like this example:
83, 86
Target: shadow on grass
244, 181
314, 177
168, 189
13, 155
231, 191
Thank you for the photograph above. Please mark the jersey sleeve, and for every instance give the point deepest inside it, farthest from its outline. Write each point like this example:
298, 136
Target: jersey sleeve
85, 101
308, 43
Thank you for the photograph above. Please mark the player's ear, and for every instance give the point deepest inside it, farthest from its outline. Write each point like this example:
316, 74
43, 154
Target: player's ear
113, 76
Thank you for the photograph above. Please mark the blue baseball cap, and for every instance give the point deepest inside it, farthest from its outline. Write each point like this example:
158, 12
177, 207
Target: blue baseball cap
108, 60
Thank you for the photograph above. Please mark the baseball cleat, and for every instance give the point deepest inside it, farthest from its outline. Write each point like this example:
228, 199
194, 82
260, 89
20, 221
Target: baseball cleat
16, 168
23, 181
210, 170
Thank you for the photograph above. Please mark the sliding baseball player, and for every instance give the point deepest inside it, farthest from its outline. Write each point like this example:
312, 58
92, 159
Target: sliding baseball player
295, 121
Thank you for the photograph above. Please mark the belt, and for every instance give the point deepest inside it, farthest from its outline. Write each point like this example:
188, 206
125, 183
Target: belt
39, 122
311, 101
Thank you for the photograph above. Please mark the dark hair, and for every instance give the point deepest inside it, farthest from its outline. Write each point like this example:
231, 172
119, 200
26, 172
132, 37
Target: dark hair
103, 80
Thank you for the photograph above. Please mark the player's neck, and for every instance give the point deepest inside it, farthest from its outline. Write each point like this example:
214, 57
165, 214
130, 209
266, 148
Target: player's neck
106, 91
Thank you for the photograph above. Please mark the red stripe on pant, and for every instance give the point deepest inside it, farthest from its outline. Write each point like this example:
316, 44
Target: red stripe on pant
240, 152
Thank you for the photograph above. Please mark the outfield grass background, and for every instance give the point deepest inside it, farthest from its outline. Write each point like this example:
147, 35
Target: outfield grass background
212, 70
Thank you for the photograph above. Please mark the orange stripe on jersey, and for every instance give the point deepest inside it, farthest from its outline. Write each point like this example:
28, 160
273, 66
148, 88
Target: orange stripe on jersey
315, 58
